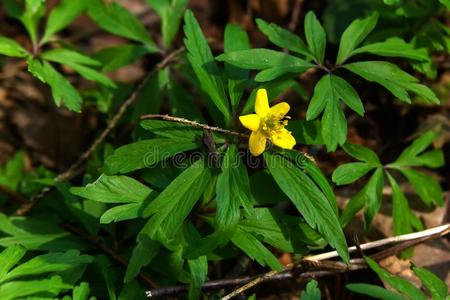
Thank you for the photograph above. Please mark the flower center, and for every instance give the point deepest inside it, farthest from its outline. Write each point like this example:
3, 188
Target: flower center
272, 124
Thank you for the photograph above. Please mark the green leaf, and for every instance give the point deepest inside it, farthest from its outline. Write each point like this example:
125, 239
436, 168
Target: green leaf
316, 174
354, 34
334, 125
51, 262
265, 190
19, 289
395, 47
434, 284
114, 58
350, 172
91, 74
401, 285
373, 291
306, 132
269, 225
117, 20
347, 94
30, 17
403, 218
9, 258
171, 12
40, 233
273, 63
61, 16
369, 197
10, 47
248, 243
12, 173
202, 62
312, 291
331, 88
176, 201
397, 81
143, 253
113, 189
122, 212
235, 39
410, 156
199, 269
446, 3
81, 291
361, 153
172, 130
428, 188
64, 55
79, 63
309, 201
232, 191
63, 91
275, 72
283, 38
144, 154
315, 37
327, 93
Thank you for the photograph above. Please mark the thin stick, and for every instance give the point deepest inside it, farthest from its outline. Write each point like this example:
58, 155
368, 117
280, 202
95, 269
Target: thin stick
193, 124
433, 232
386, 241
331, 267
295, 15
73, 170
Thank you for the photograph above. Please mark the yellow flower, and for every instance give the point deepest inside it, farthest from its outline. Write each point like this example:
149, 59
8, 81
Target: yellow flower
267, 123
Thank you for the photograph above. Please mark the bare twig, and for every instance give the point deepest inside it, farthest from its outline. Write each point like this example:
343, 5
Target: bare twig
115, 256
193, 124
73, 170
313, 266
441, 230
295, 15
409, 239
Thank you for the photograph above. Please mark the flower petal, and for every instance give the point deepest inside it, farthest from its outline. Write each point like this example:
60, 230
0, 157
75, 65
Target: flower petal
262, 103
279, 110
257, 143
283, 139
250, 121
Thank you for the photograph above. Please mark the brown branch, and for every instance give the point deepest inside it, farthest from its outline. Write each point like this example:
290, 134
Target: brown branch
295, 15
313, 266
193, 124
95, 241
73, 170
409, 239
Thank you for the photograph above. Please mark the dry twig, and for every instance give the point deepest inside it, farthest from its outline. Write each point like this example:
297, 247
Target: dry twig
73, 170
193, 124
409, 239
314, 266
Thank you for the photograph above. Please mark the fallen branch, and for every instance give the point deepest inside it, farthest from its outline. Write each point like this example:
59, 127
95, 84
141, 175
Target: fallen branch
314, 266
193, 124
73, 170
409, 240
